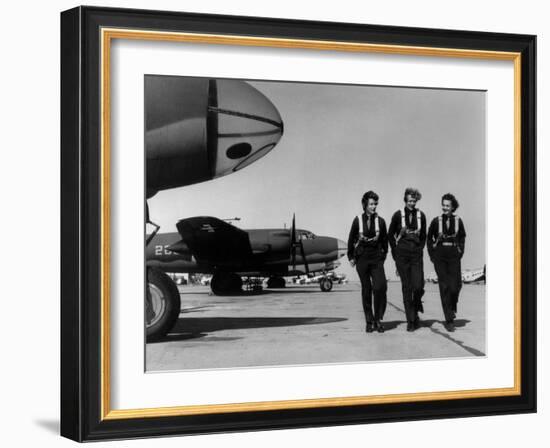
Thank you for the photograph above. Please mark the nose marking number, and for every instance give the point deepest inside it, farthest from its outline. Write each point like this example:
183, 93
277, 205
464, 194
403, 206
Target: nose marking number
163, 250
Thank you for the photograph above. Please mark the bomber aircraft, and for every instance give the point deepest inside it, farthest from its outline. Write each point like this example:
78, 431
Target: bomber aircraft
197, 129
468, 276
210, 245
474, 276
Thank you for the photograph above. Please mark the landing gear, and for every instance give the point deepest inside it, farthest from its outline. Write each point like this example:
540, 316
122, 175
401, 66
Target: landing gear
325, 284
162, 304
276, 282
224, 283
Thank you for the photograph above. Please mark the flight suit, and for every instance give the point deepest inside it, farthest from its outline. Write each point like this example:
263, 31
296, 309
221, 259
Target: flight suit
369, 253
407, 238
446, 238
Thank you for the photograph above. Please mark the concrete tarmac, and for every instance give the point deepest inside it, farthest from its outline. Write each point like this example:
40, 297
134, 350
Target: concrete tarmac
300, 325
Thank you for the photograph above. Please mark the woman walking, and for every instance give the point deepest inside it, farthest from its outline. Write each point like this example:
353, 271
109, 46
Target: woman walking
446, 238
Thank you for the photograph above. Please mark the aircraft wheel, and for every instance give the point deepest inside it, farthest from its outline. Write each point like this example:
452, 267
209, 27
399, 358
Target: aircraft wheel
162, 304
276, 282
326, 284
226, 283
236, 283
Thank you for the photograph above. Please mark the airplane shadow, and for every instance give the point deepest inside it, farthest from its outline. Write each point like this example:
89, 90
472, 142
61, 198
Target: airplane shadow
175, 337
199, 327
210, 324
196, 309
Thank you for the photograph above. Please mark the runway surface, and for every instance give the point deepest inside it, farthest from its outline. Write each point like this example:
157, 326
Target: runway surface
301, 325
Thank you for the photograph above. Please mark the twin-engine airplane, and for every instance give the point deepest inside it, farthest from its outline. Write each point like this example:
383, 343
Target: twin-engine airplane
209, 245
474, 276
197, 129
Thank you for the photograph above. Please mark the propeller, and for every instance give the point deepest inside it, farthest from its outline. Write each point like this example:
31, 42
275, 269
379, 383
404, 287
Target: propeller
294, 244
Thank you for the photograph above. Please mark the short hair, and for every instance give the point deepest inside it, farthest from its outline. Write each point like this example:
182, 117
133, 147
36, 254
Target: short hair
368, 195
450, 197
412, 192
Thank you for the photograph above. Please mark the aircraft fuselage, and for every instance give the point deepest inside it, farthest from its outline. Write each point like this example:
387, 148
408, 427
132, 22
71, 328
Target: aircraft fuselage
270, 255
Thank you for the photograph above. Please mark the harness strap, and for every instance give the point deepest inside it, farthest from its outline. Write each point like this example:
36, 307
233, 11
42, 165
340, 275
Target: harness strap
376, 227
440, 225
376, 230
441, 233
418, 220
404, 224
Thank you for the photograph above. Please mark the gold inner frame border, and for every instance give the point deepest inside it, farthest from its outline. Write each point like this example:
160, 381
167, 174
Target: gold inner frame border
107, 35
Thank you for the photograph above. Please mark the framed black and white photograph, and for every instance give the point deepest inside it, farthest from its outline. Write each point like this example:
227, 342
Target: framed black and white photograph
261, 214
243, 268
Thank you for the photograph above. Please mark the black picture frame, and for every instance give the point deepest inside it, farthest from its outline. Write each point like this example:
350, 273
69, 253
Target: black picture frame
82, 397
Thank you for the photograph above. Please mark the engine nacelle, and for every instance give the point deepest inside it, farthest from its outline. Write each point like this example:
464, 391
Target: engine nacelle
197, 129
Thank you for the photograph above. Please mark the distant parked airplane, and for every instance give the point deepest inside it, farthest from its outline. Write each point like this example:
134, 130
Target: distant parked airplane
474, 275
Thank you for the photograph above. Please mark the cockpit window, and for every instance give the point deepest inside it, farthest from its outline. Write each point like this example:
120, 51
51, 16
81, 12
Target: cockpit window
304, 235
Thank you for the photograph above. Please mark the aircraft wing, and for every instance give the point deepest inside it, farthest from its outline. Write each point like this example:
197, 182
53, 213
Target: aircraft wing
214, 241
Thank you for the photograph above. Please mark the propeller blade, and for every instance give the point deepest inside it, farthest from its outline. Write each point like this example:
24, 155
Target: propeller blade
293, 242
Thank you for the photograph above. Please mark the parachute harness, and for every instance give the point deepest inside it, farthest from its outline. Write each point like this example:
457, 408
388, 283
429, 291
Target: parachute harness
404, 224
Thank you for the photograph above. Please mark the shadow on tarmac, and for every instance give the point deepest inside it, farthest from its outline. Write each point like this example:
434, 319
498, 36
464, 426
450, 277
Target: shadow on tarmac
210, 324
471, 350
390, 325
200, 327
458, 323
175, 337
428, 323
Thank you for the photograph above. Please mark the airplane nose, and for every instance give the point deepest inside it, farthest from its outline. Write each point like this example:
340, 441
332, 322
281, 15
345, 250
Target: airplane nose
342, 248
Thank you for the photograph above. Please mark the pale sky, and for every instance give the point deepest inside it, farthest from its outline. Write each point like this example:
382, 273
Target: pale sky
340, 141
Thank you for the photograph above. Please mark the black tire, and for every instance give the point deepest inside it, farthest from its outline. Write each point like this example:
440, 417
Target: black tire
276, 282
226, 283
236, 284
326, 284
162, 307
